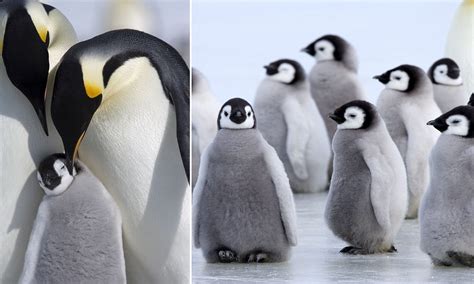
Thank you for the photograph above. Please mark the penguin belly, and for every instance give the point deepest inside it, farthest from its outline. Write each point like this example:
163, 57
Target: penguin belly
23, 144
240, 203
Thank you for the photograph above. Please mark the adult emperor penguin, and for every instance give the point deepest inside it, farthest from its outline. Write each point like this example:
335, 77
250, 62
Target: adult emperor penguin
448, 89
367, 198
289, 120
406, 104
460, 42
130, 92
205, 108
333, 79
447, 209
77, 214
243, 209
33, 37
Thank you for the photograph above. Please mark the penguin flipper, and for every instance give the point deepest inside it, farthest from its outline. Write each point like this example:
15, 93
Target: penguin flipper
197, 193
297, 137
380, 182
283, 190
462, 258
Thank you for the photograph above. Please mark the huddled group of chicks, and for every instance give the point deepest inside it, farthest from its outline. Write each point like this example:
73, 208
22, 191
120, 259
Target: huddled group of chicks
385, 161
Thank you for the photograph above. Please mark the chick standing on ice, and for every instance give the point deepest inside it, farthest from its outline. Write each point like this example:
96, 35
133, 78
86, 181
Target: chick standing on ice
291, 123
243, 209
367, 198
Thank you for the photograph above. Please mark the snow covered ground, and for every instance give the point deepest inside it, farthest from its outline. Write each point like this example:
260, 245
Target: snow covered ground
232, 40
316, 259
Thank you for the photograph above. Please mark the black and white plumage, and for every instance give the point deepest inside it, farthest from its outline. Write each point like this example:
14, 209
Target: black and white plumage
447, 209
243, 208
290, 121
448, 88
121, 102
77, 227
33, 38
406, 104
367, 197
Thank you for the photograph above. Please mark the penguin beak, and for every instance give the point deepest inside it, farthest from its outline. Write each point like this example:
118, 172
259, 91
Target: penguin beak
26, 58
238, 116
271, 70
308, 50
471, 100
72, 108
336, 118
436, 123
383, 78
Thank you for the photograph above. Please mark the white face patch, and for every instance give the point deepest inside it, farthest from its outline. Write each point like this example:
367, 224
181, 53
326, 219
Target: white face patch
399, 81
440, 75
457, 125
62, 172
226, 122
355, 118
286, 73
324, 50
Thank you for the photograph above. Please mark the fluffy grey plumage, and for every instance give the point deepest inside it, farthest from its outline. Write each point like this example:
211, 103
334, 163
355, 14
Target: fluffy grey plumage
405, 114
243, 206
290, 122
447, 209
449, 97
77, 236
334, 82
367, 198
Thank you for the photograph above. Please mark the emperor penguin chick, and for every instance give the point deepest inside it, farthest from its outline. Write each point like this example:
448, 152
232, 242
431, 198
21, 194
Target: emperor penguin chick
367, 197
447, 209
406, 104
333, 79
205, 108
77, 234
243, 209
448, 88
291, 123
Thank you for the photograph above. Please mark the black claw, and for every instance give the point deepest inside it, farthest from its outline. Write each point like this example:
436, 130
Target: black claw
392, 249
346, 249
226, 256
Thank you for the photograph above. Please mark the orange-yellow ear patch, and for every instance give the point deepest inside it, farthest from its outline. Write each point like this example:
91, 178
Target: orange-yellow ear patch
43, 33
92, 90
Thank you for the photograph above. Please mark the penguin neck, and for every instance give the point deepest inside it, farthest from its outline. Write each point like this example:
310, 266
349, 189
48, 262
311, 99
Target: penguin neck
233, 142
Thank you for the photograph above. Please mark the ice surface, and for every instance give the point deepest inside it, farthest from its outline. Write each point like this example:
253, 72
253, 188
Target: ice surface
317, 259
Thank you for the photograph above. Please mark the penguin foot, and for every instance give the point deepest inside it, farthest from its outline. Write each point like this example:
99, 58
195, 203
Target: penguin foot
392, 249
259, 257
353, 250
226, 256
462, 258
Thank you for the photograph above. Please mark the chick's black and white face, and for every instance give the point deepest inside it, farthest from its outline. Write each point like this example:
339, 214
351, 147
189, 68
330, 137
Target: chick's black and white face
236, 114
324, 50
457, 125
442, 74
399, 80
53, 176
354, 118
284, 73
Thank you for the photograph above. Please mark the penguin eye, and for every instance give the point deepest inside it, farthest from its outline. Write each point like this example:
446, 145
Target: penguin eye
456, 121
63, 167
352, 115
397, 78
321, 49
442, 72
249, 113
226, 113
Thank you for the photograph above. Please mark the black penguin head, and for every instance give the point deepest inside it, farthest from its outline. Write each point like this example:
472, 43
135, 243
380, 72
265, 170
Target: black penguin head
404, 78
25, 52
458, 121
53, 175
236, 113
354, 115
328, 47
445, 72
286, 71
